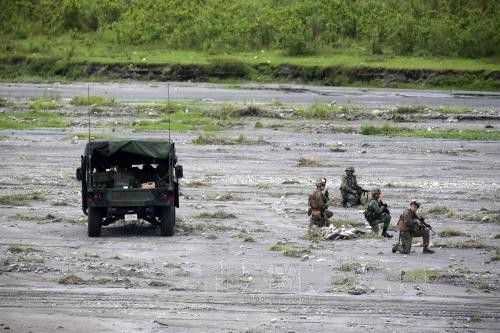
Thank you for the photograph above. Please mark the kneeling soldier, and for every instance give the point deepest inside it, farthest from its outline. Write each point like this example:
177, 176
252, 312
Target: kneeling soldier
410, 226
377, 213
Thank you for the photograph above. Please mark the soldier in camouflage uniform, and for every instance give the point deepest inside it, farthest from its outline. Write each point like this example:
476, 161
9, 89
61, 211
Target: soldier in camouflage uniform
410, 226
350, 190
318, 206
377, 213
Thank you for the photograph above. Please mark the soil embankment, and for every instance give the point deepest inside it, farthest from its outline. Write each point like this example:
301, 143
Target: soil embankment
13, 68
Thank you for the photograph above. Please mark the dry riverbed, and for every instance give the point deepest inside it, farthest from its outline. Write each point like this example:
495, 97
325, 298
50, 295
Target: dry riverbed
242, 259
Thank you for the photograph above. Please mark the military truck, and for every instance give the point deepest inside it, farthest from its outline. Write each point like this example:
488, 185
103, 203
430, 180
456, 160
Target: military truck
129, 179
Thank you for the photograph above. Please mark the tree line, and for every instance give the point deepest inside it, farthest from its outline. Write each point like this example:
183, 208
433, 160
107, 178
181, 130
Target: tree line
465, 28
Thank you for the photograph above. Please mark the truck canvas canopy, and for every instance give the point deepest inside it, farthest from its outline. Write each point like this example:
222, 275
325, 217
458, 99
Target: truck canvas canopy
131, 151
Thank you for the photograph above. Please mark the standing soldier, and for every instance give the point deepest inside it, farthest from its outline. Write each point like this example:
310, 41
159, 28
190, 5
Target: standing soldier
410, 225
377, 213
350, 190
318, 206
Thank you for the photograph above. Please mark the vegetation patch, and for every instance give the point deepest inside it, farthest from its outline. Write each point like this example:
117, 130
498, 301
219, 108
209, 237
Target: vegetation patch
28, 120
310, 162
356, 267
41, 104
24, 249
172, 264
93, 136
71, 279
212, 139
313, 234
20, 199
350, 284
290, 182
237, 279
471, 243
438, 210
323, 111
100, 280
219, 214
92, 100
420, 275
222, 197
462, 134
181, 121
348, 223
451, 233
370, 235
194, 183
289, 251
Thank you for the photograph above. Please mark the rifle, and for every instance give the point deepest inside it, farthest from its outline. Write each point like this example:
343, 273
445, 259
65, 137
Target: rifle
427, 225
386, 210
360, 191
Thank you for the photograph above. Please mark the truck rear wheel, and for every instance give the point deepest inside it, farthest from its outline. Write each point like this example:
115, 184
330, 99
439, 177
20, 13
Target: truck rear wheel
167, 221
95, 221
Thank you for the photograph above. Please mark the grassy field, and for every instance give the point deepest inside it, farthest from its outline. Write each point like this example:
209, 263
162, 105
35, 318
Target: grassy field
82, 49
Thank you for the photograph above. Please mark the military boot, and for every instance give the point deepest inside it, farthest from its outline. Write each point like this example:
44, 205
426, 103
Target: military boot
385, 234
395, 248
427, 250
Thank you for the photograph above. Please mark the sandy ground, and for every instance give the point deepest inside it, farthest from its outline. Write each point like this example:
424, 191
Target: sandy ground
219, 274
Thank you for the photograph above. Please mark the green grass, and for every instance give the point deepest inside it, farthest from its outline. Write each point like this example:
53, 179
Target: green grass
237, 279
220, 214
20, 199
464, 134
451, 233
41, 104
348, 223
29, 120
212, 139
93, 48
92, 100
93, 136
438, 210
25, 249
420, 275
471, 243
289, 251
181, 121
324, 111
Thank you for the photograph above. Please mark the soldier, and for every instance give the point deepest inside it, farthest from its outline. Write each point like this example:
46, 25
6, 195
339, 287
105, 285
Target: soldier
377, 213
410, 225
350, 190
318, 206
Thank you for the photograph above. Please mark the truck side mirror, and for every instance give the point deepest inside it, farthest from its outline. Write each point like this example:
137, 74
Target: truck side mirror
179, 173
79, 174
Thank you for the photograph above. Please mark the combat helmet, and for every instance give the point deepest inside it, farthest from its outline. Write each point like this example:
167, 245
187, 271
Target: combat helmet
376, 190
415, 203
320, 182
350, 169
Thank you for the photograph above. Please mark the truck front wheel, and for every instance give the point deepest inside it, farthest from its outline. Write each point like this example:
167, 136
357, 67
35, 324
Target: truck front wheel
95, 221
167, 221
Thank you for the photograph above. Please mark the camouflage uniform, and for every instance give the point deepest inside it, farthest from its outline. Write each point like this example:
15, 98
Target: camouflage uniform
379, 215
318, 209
408, 228
349, 189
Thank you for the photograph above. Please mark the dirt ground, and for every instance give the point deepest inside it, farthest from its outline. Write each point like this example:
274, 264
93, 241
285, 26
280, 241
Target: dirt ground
218, 273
